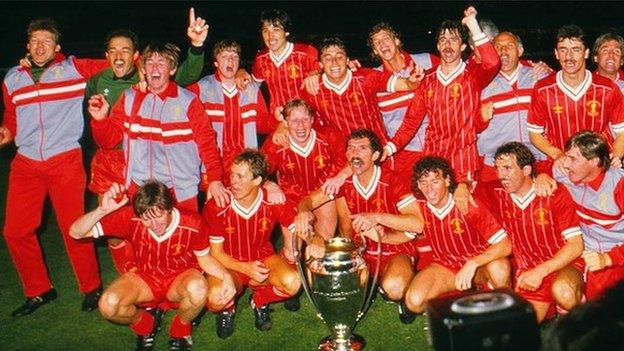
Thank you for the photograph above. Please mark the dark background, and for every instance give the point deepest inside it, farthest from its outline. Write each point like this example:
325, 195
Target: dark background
84, 25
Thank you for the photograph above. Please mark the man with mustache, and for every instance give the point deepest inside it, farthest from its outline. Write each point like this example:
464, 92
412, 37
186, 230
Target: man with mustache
375, 200
505, 104
544, 232
107, 165
468, 247
451, 95
574, 99
167, 134
598, 193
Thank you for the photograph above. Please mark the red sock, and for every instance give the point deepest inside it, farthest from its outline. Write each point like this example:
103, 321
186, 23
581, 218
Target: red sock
123, 257
179, 329
144, 325
267, 294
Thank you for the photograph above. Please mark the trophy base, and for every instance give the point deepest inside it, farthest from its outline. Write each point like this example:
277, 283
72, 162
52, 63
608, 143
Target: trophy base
356, 342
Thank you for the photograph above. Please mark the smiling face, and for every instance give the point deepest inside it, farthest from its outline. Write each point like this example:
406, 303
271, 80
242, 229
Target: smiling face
121, 55
571, 54
274, 37
608, 57
227, 63
450, 47
435, 188
158, 71
42, 47
361, 156
299, 123
509, 52
334, 62
156, 220
385, 45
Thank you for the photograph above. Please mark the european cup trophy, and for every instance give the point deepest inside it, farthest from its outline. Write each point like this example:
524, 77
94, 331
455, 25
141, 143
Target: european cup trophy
340, 286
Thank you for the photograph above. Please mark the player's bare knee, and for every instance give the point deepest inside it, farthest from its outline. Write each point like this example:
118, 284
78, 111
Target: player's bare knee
109, 304
499, 272
197, 290
415, 301
291, 283
394, 287
565, 295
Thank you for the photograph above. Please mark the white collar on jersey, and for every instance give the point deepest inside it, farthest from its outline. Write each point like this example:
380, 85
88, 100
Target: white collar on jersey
523, 201
367, 192
512, 78
574, 93
307, 149
445, 210
279, 59
229, 91
175, 221
340, 88
248, 212
447, 79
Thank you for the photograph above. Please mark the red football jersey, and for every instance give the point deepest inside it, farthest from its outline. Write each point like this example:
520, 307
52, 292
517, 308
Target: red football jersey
160, 257
246, 232
452, 104
537, 226
383, 194
559, 111
284, 74
454, 237
352, 104
302, 170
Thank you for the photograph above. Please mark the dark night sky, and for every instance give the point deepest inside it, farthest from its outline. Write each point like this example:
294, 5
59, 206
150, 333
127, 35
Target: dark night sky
85, 24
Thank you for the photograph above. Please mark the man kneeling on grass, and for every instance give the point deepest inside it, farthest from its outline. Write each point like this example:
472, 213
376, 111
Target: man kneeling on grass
170, 245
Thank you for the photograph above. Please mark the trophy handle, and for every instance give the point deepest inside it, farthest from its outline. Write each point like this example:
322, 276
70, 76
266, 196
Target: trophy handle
301, 267
371, 291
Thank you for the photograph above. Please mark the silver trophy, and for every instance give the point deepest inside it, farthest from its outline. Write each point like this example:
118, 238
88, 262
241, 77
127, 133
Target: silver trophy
340, 286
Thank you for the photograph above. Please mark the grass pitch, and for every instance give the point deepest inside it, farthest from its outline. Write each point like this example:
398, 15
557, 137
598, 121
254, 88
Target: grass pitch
61, 325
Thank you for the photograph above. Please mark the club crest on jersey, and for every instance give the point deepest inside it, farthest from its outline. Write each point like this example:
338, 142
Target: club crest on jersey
356, 98
602, 201
290, 165
320, 161
456, 90
557, 109
264, 224
176, 249
177, 111
105, 92
593, 108
293, 71
57, 72
541, 215
378, 205
456, 226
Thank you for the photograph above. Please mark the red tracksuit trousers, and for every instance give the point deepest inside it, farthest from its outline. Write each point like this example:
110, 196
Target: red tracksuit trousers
63, 178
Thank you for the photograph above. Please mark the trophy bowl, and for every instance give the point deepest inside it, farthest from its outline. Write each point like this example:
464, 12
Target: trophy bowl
340, 287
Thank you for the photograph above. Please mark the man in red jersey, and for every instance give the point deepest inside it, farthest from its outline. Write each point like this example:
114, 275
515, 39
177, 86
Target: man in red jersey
305, 164
574, 99
374, 198
43, 114
544, 231
240, 240
467, 248
450, 95
171, 249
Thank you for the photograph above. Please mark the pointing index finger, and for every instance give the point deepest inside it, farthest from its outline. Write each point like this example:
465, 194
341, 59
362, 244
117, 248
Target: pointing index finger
191, 16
